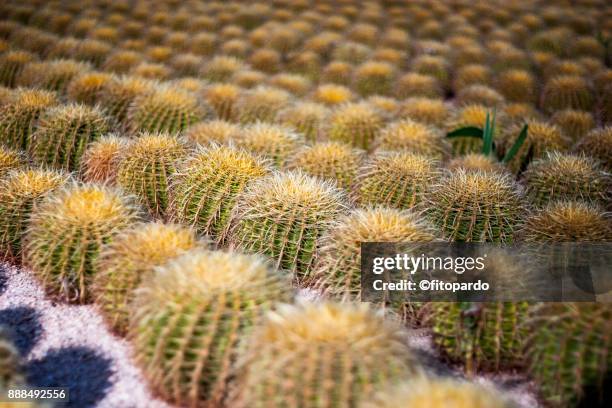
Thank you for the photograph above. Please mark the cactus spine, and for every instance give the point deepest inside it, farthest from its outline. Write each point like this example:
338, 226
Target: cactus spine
187, 321
66, 233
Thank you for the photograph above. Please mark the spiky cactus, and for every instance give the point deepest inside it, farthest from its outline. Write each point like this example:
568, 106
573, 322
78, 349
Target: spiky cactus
283, 216
116, 96
567, 221
332, 95
214, 131
51, 75
221, 68
542, 138
166, 110
395, 179
260, 104
568, 349
358, 124
322, 355
597, 144
66, 232
10, 160
574, 123
18, 119
337, 269
305, 117
426, 110
63, 134
11, 65
480, 94
86, 88
19, 192
517, 85
412, 136
439, 393
204, 189
146, 166
374, 78
476, 206
329, 160
566, 177
471, 115
274, 142
187, 321
413, 84
100, 161
476, 162
222, 97
129, 259
567, 92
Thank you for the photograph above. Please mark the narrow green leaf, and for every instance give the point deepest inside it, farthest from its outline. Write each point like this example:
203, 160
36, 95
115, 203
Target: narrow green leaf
469, 131
517, 145
487, 135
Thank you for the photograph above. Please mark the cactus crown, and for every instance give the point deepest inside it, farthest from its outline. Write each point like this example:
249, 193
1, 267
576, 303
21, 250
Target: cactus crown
598, 144
100, 160
415, 137
568, 221
331, 94
274, 142
476, 162
426, 110
10, 160
261, 104
355, 123
214, 131
305, 117
85, 88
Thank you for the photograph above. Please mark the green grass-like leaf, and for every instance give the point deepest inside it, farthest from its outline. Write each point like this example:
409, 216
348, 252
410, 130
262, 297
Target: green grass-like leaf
468, 131
517, 145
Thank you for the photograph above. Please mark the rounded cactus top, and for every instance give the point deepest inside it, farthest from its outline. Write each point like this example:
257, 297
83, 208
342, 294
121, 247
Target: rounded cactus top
568, 221
148, 146
10, 159
440, 393
88, 204
331, 94
218, 131
356, 326
477, 188
414, 136
35, 98
201, 273
32, 182
476, 162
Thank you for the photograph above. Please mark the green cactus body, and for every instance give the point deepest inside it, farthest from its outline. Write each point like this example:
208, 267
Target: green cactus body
321, 355
166, 110
330, 161
569, 349
130, 259
337, 269
11, 65
283, 216
413, 136
146, 167
561, 177
51, 75
204, 190
86, 88
19, 192
374, 78
395, 179
355, 123
306, 118
10, 160
567, 92
63, 134
481, 335
65, 235
597, 144
116, 96
187, 321
18, 119
273, 142
261, 104
476, 206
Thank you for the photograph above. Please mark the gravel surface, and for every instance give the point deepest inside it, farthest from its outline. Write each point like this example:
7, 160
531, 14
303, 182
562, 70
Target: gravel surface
70, 345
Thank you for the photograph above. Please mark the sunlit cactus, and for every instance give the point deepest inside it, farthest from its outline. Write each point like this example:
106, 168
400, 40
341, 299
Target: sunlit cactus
476, 207
63, 133
574, 123
10, 160
412, 136
122, 61
260, 104
100, 160
374, 77
358, 124
212, 302
567, 92
116, 96
413, 84
20, 191
306, 118
53, 75
65, 235
11, 65
146, 166
348, 347
333, 161
597, 144
476, 162
395, 179
214, 131
166, 110
331, 94
222, 97
426, 110
283, 216
472, 74
517, 85
86, 88
221, 68
480, 95
296, 84
337, 269
274, 142
205, 187
130, 258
